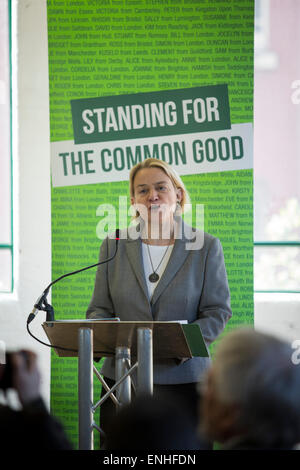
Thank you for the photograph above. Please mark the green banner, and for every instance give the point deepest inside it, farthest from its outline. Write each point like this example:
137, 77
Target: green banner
109, 54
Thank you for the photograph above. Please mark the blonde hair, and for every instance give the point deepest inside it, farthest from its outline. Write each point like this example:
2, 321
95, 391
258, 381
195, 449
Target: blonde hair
168, 170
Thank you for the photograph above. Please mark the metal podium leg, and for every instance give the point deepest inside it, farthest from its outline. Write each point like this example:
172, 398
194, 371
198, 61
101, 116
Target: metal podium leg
145, 361
122, 365
85, 388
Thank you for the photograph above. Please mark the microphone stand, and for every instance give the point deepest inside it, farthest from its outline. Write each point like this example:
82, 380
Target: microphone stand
42, 303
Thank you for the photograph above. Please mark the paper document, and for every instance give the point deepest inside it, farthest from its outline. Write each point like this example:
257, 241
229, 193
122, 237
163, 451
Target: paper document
87, 320
182, 322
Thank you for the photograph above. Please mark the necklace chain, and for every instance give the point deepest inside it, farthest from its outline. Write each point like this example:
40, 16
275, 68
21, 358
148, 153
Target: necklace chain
154, 277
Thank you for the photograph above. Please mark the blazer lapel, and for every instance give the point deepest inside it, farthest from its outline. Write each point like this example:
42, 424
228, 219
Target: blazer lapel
177, 258
134, 253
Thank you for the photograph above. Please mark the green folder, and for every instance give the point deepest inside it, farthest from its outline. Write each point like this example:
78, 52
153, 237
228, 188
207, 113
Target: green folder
195, 340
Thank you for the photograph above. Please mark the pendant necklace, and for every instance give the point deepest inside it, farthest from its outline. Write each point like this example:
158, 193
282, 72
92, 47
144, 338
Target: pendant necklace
154, 277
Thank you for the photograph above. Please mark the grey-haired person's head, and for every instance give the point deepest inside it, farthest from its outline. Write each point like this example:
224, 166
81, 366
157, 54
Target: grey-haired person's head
252, 391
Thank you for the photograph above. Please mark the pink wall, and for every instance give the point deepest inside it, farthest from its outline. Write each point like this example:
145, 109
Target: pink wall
276, 118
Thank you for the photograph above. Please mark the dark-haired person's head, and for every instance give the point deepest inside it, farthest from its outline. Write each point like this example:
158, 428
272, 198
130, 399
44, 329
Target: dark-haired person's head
152, 423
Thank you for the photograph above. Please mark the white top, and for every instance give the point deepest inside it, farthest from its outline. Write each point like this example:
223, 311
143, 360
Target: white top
156, 253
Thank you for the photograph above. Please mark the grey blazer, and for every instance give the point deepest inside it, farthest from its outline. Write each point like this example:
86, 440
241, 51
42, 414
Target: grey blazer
193, 287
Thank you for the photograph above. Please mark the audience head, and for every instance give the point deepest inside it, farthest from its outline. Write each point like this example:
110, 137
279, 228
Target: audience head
152, 423
251, 392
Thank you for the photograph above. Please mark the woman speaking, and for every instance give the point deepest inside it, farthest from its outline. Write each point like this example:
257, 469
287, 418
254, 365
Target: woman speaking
159, 275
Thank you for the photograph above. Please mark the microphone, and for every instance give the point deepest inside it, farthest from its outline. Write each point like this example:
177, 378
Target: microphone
35, 309
42, 304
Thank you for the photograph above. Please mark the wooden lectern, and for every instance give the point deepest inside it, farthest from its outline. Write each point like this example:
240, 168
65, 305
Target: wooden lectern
143, 341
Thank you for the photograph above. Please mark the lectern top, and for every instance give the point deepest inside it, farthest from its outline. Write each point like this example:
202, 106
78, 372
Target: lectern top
169, 338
